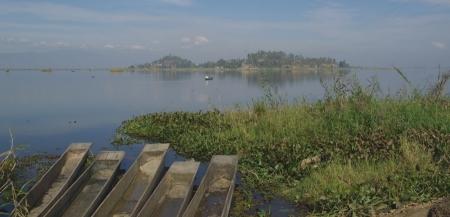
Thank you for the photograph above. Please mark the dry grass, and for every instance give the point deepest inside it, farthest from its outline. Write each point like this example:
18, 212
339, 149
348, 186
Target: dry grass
8, 164
438, 90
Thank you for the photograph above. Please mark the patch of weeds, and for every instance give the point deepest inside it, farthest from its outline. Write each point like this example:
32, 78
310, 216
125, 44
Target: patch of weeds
364, 188
17, 175
349, 154
10, 194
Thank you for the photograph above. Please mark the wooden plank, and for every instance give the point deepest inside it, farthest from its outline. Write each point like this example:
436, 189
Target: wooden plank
133, 189
84, 196
56, 180
213, 196
173, 192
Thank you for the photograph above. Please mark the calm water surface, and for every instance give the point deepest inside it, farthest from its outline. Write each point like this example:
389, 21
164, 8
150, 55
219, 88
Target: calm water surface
48, 111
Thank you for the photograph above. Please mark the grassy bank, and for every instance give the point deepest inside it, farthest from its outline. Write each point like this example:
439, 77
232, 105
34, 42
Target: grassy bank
351, 153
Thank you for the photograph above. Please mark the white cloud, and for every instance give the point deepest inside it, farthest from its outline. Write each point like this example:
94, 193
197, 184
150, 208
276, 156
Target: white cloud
60, 12
186, 40
329, 30
194, 41
199, 40
24, 40
17, 40
62, 44
41, 43
137, 47
36, 43
179, 2
438, 45
435, 2
119, 46
110, 46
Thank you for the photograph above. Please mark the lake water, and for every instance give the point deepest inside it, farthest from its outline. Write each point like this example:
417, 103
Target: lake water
48, 111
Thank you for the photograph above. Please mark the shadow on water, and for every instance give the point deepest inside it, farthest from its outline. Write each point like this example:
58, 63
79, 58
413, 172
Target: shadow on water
277, 207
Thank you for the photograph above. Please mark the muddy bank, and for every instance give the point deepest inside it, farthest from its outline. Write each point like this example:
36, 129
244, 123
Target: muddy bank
436, 208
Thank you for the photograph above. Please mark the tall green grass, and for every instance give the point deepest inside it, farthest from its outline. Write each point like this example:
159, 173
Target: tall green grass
352, 153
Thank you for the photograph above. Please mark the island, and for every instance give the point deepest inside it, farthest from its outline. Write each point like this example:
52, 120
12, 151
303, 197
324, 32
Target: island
261, 60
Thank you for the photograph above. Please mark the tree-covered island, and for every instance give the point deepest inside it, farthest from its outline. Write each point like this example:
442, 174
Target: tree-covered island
273, 60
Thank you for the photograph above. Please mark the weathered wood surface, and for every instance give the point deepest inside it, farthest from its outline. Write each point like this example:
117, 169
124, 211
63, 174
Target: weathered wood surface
60, 193
87, 192
173, 192
213, 196
134, 188
56, 180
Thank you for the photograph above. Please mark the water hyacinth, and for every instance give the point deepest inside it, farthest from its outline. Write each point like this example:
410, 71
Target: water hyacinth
289, 149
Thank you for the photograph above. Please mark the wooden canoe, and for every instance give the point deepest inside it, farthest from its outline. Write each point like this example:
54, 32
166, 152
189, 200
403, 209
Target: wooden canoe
213, 196
173, 193
56, 180
133, 189
88, 191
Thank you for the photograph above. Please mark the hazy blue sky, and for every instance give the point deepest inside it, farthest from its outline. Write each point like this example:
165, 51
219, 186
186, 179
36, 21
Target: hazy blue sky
122, 32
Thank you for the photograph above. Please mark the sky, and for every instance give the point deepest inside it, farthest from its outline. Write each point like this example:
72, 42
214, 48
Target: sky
104, 33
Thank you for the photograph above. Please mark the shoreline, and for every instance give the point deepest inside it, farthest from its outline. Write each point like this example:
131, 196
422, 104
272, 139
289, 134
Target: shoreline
300, 151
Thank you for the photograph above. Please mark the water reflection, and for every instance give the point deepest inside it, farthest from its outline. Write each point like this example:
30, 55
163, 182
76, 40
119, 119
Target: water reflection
49, 110
46, 109
161, 75
280, 79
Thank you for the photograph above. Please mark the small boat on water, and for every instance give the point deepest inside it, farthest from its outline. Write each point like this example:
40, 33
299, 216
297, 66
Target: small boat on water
213, 196
208, 78
135, 187
88, 191
173, 193
56, 180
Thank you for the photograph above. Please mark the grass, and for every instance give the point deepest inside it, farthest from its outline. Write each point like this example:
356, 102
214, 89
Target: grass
353, 153
366, 187
15, 178
9, 192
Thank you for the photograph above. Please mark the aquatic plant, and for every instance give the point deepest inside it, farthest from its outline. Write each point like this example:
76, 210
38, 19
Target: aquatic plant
352, 153
7, 165
8, 190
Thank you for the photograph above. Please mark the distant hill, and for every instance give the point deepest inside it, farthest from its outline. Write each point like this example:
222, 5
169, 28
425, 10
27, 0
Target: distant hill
169, 62
280, 59
260, 59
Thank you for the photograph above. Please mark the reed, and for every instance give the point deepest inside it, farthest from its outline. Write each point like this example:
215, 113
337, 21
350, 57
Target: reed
8, 165
10, 193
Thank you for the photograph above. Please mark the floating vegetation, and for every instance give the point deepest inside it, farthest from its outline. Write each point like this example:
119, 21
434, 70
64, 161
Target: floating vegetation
46, 70
352, 153
117, 70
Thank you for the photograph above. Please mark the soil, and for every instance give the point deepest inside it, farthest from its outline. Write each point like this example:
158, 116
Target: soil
440, 209
437, 208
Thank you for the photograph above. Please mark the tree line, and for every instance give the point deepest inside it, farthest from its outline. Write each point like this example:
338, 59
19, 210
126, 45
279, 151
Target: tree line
261, 59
